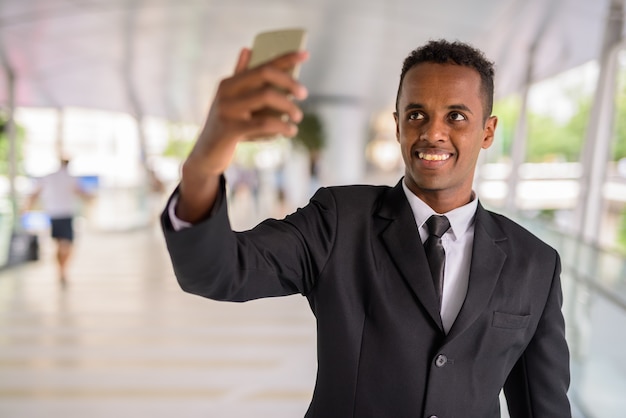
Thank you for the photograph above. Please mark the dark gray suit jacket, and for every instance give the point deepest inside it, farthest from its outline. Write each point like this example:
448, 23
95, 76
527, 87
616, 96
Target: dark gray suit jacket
355, 253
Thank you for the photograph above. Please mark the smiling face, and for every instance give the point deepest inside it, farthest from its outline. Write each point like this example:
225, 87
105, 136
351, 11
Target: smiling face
441, 128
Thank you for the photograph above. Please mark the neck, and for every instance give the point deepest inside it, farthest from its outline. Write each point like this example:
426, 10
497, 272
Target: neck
443, 202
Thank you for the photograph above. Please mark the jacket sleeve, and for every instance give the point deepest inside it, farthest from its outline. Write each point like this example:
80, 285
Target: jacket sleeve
537, 386
276, 258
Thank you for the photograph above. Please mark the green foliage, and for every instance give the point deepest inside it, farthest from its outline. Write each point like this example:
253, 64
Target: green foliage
621, 232
179, 143
507, 110
619, 144
311, 132
20, 135
550, 139
177, 148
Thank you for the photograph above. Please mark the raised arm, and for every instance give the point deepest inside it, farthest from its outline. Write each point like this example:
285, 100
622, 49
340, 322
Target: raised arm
235, 116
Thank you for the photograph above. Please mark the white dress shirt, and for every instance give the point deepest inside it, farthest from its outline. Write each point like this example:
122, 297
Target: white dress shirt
457, 243
177, 223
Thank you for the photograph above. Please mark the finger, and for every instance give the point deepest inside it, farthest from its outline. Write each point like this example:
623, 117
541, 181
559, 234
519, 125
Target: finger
284, 77
267, 98
260, 78
287, 61
268, 127
274, 72
243, 60
281, 80
264, 126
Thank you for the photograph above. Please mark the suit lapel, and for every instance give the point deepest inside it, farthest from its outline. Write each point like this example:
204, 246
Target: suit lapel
486, 264
401, 238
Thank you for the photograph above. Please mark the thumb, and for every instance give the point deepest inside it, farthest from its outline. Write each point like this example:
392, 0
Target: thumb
243, 60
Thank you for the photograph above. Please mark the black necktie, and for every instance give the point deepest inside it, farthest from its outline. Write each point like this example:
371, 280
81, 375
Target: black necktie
437, 226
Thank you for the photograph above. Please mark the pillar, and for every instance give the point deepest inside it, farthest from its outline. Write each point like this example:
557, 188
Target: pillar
599, 134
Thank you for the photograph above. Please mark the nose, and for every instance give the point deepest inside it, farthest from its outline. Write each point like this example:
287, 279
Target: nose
434, 130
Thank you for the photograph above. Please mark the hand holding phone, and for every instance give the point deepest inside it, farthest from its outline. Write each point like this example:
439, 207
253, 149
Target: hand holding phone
238, 113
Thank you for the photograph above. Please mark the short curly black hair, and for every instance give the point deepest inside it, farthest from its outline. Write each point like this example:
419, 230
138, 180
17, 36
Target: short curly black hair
460, 53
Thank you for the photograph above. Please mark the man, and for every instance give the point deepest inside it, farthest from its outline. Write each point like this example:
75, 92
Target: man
58, 192
391, 341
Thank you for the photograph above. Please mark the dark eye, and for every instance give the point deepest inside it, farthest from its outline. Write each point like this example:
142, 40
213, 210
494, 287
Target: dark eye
457, 116
416, 116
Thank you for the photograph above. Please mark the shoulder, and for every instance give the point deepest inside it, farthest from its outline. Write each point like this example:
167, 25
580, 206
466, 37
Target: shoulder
519, 235
357, 190
352, 196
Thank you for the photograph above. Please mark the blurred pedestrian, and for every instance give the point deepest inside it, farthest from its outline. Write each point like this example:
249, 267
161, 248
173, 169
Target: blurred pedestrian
59, 194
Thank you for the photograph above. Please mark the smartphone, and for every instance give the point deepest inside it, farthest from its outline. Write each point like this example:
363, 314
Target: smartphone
271, 44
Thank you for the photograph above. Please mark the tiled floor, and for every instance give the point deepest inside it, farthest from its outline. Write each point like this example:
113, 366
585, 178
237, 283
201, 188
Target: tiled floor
124, 341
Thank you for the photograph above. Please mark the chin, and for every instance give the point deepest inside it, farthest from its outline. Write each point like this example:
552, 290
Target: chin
428, 182
425, 185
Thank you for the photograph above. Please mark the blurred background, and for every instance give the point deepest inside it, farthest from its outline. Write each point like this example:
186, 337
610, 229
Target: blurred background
121, 87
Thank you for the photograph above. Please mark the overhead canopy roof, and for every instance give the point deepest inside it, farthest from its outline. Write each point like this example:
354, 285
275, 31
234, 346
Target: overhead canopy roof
164, 57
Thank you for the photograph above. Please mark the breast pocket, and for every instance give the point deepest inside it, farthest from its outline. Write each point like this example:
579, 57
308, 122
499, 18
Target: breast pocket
509, 321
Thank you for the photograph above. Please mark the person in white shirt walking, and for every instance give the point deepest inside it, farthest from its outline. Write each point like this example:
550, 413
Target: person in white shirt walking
59, 193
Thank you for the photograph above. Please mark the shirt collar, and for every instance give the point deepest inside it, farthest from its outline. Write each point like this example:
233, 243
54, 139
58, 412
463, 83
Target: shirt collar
460, 218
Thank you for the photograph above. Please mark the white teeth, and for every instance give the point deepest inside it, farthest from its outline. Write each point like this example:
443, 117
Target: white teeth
433, 157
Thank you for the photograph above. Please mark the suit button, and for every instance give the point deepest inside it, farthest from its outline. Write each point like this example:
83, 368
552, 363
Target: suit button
441, 360
433, 416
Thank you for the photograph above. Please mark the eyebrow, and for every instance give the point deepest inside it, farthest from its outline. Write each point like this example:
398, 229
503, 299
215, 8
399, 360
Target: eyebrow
419, 106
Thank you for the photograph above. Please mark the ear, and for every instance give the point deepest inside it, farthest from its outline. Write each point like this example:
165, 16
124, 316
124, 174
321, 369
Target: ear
489, 131
395, 117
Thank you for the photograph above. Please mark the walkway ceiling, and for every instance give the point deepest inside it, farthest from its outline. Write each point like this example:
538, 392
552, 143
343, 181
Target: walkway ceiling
164, 57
